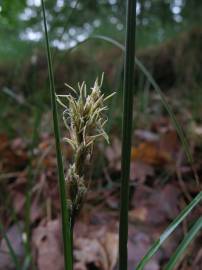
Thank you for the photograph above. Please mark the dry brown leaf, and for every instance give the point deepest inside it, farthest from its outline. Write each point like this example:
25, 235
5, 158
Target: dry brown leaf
151, 154
138, 244
90, 252
160, 152
99, 251
113, 154
156, 206
14, 234
12, 153
169, 143
36, 210
110, 243
47, 246
138, 214
146, 135
18, 201
140, 170
161, 125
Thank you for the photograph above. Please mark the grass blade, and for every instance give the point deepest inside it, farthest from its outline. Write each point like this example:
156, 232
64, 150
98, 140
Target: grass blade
175, 258
150, 78
156, 87
127, 130
10, 248
169, 231
66, 226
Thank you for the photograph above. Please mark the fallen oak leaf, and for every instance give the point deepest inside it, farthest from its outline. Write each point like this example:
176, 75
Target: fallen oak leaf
150, 154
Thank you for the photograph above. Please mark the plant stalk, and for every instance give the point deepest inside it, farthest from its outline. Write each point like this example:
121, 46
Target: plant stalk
66, 222
127, 129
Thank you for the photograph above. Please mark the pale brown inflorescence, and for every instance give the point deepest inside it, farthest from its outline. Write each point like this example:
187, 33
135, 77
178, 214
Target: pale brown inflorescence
84, 118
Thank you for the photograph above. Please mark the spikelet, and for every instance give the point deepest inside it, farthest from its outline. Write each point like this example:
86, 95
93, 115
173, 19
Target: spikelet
84, 118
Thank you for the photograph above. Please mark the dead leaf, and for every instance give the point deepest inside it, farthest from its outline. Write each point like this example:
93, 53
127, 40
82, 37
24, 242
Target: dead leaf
90, 252
18, 201
140, 170
110, 243
169, 143
151, 154
47, 246
155, 207
161, 125
12, 153
14, 234
113, 154
36, 210
138, 244
146, 135
159, 152
138, 214
100, 252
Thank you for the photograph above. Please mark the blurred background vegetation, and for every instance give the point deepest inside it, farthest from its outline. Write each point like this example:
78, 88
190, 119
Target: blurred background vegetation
174, 59
169, 38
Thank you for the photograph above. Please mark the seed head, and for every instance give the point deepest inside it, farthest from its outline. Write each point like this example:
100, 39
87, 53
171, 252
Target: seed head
84, 117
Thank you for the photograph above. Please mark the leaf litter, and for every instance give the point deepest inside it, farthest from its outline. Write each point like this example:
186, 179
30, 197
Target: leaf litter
156, 197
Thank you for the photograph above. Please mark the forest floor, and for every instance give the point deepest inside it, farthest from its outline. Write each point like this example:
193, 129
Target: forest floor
162, 182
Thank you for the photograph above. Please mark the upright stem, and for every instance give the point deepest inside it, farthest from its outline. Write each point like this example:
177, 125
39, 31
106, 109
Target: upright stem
127, 130
66, 222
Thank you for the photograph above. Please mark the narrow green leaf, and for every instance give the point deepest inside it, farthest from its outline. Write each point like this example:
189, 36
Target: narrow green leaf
175, 258
169, 231
10, 248
66, 223
150, 78
127, 130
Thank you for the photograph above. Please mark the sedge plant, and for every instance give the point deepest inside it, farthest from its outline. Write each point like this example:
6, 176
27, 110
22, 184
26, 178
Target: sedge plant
83, 129
85, 120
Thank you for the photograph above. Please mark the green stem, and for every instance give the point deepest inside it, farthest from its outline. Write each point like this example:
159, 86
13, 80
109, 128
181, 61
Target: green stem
66, 226
127, 130
10, 248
